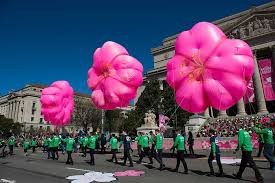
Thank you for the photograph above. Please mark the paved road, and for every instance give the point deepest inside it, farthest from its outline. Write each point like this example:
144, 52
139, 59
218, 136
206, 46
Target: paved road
36, 168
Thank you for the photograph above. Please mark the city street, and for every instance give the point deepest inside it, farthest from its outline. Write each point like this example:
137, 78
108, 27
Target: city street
36, 168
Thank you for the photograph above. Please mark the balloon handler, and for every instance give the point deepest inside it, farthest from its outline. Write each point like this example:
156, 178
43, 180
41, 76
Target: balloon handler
69, 148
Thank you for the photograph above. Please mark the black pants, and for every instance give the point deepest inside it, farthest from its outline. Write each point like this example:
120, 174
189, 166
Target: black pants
55, 152
268, 154
191, 150
127, 155
159, 157
103, 149
261, 145
84, 150
247, 158
33, 149
11, 149
153, 150
92, 152
139, 150
218, 159
146, 152
49, 152
25, 150
69, 158
114, 151
180, 158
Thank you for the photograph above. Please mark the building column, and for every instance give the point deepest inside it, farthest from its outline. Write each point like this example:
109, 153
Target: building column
258, 88
17, 111
222, 113
14, 110
206, 113
10, 110
241, 108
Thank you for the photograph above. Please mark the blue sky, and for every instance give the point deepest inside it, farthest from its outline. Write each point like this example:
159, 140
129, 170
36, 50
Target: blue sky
42, 41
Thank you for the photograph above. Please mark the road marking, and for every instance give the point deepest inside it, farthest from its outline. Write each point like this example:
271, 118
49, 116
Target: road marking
7, 181
79, 169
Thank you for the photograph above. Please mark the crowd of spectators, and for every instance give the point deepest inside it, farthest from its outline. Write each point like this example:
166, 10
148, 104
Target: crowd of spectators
229, 127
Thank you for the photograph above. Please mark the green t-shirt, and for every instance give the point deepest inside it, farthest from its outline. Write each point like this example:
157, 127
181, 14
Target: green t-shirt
145, 141
85, 141
26, 144
267, 135
244, 141
11, 141
92, 142
55, 141
159, 141
179, 142
113, 143
152, 139
46, 142
50, 142
139, 140
33, 143
69, 144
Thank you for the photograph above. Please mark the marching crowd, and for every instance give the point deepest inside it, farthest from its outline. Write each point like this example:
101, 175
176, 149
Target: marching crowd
150, 146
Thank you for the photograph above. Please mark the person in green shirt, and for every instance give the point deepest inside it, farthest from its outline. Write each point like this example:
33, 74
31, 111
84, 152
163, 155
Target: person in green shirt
47, 144
138, 139
179, 144
26, 146
268, 144
159, 143
153, 144
11, 142
84, 142
145, 149
69, 148
55, 141
113, 143
92, 145
33, 144
244, 143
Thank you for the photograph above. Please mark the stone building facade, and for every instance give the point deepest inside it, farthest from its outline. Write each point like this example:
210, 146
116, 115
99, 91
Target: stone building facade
256, 26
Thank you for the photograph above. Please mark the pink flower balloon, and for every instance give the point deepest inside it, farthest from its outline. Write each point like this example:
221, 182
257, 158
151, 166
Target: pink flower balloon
209, 69
57, 103
114, 76
130, 173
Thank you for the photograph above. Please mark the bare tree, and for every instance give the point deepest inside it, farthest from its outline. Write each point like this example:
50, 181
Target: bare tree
86, 114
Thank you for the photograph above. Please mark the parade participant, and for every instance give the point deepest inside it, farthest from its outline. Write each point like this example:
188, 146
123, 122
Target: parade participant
97, 141
180, 146
26, 146
92, 145
113, 143
69, 148
127, 147
138, 139
214, 153
268, 143
33, 144
103, 142
84, 142
145, 149
46, 143
261, 144
190, 142
159, 143
55, 144
3, 146
11, 142
153, 144
244, 143
174, 134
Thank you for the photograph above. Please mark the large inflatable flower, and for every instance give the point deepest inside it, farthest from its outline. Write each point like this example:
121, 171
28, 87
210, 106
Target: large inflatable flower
209, 69
114, 76
57, 103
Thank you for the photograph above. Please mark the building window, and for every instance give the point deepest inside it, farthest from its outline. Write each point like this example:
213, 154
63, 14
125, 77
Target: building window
33, 105
32, 118
41, 120
34, 89
33, 111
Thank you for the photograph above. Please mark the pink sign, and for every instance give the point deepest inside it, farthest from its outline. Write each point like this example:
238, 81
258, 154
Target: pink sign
249, 96
265, 70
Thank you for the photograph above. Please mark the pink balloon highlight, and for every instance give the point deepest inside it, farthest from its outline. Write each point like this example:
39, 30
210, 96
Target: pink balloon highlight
114, 76
208, 69
57, 103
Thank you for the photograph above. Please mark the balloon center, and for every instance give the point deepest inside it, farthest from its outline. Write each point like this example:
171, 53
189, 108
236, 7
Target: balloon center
198, 68
106, 71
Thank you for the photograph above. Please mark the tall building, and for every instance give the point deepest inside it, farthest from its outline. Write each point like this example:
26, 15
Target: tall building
24, 106
256, 26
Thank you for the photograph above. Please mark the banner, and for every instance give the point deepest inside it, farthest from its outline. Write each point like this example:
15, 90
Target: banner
265, 71
249, 96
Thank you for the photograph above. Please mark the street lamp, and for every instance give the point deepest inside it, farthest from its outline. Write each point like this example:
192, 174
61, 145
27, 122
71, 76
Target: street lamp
102, 120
